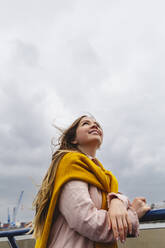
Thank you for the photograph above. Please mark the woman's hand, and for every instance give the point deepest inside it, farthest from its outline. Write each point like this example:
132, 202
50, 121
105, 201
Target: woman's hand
119, 219
140, 206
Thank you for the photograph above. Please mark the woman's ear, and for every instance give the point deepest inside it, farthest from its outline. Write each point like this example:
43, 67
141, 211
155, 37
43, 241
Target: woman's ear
74, 142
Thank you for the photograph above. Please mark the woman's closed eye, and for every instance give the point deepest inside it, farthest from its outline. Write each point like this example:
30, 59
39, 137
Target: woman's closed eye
85, 123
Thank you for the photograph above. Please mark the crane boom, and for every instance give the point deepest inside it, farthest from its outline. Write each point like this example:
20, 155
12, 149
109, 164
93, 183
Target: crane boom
15, 209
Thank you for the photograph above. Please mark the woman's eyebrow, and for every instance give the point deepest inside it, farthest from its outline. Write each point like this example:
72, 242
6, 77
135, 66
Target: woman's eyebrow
84, 121
90, 121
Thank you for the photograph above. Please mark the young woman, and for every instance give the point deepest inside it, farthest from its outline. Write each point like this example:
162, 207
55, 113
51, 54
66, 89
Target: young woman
78, 204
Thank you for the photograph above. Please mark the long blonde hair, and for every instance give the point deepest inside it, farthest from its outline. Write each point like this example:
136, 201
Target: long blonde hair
43, 197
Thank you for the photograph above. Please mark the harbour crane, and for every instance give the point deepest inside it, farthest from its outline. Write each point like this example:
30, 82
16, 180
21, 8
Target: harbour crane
8, 217
15, 209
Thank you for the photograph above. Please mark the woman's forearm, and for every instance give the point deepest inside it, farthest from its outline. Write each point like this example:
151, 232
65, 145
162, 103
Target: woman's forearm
81, 214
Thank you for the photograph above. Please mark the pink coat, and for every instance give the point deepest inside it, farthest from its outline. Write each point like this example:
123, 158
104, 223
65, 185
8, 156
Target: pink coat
81, 221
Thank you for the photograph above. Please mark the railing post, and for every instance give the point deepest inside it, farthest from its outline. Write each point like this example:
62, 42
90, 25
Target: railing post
11, 233
12, 242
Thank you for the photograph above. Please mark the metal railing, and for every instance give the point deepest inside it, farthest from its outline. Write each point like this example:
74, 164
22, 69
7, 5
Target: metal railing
10, 234
154, 215
150, 216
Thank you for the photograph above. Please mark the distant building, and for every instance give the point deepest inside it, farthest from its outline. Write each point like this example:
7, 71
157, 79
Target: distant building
158, 205
5, 225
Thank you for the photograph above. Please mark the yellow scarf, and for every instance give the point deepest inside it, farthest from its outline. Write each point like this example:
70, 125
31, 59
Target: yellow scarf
78, 166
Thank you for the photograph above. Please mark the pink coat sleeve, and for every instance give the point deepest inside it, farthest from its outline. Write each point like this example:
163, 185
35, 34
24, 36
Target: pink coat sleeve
76, 205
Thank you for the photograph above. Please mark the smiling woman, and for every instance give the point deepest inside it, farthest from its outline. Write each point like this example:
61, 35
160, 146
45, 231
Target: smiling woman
78, 204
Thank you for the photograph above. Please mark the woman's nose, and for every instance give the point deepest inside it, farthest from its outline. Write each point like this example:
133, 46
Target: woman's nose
94, 125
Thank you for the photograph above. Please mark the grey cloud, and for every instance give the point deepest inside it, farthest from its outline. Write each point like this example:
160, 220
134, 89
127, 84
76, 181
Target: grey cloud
24, 136
25, 54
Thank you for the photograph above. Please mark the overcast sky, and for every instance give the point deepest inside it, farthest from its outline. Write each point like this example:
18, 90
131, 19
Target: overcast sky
61, 59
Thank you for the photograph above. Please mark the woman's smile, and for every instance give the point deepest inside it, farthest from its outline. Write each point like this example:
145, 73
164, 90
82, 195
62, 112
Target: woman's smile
95, 131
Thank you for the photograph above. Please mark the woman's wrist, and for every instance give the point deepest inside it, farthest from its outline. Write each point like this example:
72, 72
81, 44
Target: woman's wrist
118, 196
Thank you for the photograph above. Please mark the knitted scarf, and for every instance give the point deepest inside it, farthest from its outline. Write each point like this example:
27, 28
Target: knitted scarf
77, 166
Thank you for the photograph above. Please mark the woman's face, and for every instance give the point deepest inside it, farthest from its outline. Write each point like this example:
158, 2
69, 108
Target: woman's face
88, 132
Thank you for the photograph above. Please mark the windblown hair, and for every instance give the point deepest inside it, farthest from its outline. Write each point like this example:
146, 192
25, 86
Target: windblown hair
43, 197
